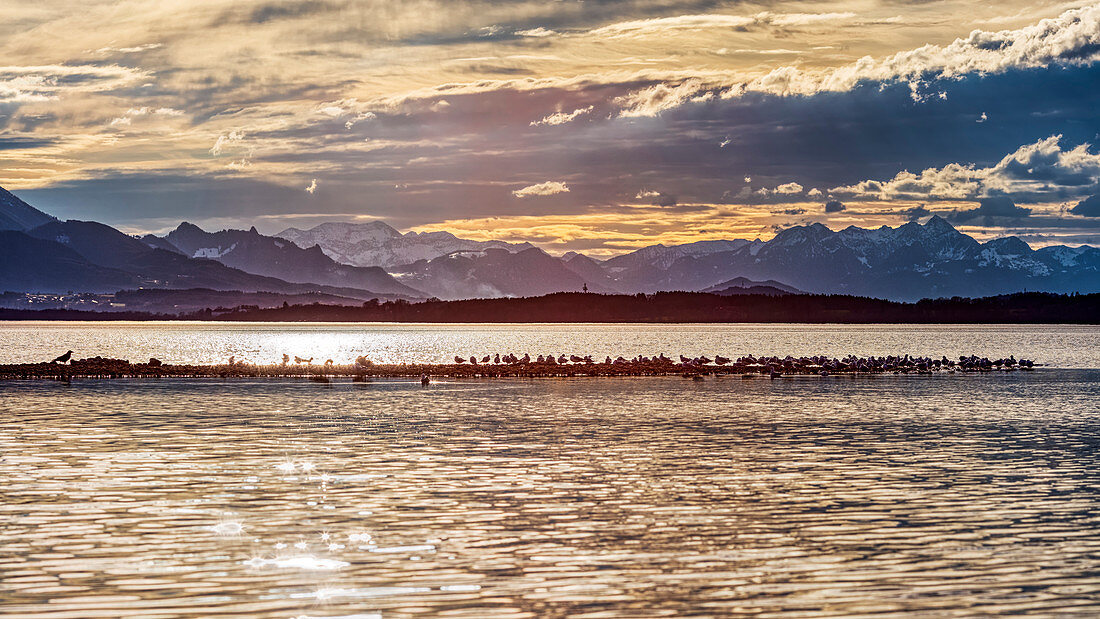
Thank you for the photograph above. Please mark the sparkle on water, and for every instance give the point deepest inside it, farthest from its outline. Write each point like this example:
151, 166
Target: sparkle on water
808, 496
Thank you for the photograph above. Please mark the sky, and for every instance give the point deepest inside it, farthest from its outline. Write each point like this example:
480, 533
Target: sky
597, 126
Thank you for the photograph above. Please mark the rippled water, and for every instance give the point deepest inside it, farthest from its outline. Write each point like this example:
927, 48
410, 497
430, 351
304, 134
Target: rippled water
592, 497
586, 497
175, 342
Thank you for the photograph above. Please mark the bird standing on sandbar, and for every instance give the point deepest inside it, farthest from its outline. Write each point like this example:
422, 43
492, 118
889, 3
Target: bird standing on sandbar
63, 358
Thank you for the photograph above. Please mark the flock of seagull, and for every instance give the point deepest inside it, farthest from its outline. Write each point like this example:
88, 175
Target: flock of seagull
693, 367
776, 366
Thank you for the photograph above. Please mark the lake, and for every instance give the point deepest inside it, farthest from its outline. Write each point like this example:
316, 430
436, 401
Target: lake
1069, 346
593, 497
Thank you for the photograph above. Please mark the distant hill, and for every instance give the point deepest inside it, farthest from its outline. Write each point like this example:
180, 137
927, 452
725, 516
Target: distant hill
742, 285
255, 253
378, 244
29, 264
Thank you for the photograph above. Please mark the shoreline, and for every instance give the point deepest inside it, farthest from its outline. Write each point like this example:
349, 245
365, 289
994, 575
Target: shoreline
766, 367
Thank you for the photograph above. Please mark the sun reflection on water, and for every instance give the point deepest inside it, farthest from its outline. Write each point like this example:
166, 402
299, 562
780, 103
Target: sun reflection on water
552, 498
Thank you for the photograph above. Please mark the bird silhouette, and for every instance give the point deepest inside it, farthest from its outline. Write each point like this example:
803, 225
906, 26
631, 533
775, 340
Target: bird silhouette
63, 358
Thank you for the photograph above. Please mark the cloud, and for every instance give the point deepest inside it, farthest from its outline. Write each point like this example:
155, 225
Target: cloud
656, 198
917, 212
1089, 207
536, 33
801, 19
997, 206
1071, 39
651, 101
560, 118
128, 117
312, 187
30, 84
786, 189
1034, 172
666, 25
225, 140
129, 50
548, 188
834, 206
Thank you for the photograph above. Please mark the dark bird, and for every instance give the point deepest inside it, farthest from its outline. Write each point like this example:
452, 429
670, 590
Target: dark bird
63, 358
424, 380
459, 359
485, 359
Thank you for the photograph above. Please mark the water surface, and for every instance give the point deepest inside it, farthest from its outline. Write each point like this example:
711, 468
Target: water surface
1074, 346
947, 494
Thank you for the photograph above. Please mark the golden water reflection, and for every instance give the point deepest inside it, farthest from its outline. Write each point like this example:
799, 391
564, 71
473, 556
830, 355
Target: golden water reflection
588, 497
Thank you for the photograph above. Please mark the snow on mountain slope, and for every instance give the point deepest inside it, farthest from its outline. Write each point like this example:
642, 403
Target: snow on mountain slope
379, 244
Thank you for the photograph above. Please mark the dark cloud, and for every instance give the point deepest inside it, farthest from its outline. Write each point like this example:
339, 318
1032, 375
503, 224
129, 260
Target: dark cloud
917, 212
834, 206
21, 143
996, 206
289, 10
1089, 207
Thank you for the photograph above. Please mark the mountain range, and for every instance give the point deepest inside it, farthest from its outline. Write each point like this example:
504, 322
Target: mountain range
910, 262
252, 252
379, 244
38, 253
41, 254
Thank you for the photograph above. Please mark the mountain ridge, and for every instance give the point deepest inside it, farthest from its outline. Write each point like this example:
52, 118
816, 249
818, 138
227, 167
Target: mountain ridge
15, 214
252, 252
377, 243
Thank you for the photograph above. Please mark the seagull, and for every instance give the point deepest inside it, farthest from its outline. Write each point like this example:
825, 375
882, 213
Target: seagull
63, 358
